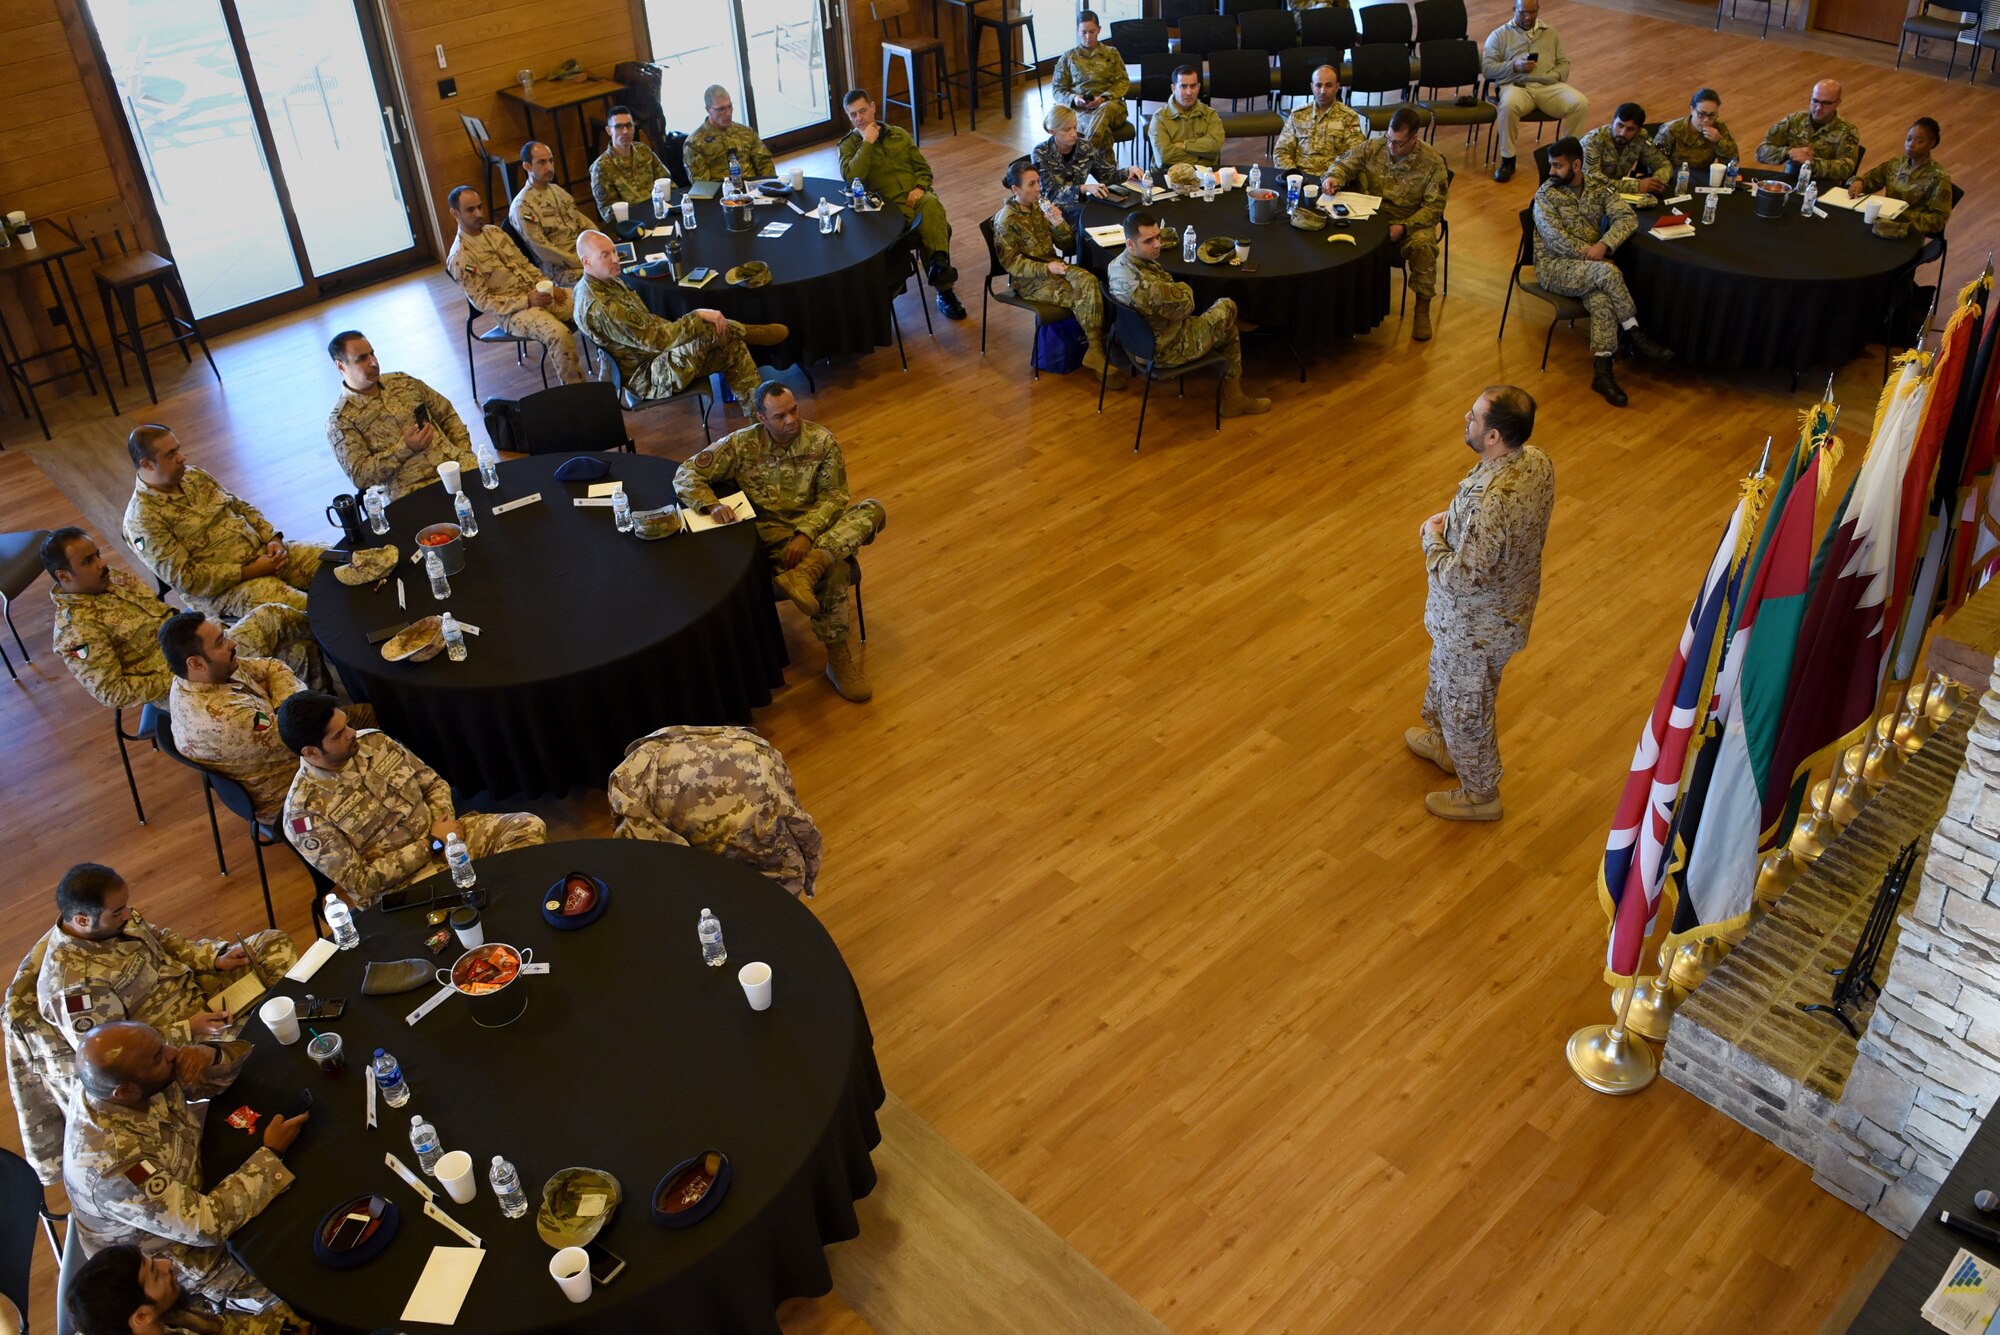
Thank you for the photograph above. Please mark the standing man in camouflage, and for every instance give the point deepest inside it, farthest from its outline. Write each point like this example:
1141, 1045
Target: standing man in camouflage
390, 431
793, 471
132, 1159
365, 811
1090, 80
1412, 180
624, 173
216, 551
499, 280
1316, 134
1138, 280
1187, 129
1699, 137
1525, 61
1573, 248
889, 163
1483, 556
1621, 154
1819, 135
1030, 236
706, 152
547, 217
1919, 180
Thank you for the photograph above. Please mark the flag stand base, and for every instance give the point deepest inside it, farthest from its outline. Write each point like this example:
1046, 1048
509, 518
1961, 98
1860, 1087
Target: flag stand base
1610, 1061
1695, 961
1653, 1008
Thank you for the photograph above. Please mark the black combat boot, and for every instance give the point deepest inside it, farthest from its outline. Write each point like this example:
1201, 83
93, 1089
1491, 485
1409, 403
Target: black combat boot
1646, 347
1606, 383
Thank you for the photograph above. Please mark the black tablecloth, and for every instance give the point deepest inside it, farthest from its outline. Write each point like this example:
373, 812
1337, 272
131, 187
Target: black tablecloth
1307, 289
1784, 293
832, 290
588, 639
630, 1056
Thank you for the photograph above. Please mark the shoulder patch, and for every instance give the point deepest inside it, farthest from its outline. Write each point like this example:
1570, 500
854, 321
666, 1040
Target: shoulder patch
81, 652
300, 824
139, 541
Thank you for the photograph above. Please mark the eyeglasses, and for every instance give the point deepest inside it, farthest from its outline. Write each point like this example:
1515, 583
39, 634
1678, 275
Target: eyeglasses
621, 125
1826, 101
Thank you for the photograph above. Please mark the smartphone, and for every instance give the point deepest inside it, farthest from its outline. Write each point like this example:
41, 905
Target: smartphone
605, 1265
303, 1103
422, 415
350, 1231
331, 1008
1340, 210
624, 252
1534, 55
418, 897
700, 275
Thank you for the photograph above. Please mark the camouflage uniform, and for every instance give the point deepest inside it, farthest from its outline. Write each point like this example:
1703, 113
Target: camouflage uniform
800, 490
1187, 135
626, 178
366, 429
724, 790
706, 153
186, 1321
1625, 166
892, 167
497, 278
231, 727
1485, 574
133, 1175
1179, 335
367, 825
41, 1070
1313, 140
1566, 224
658, 357
146, 973
1063, 174
1836, 145
1927, 190
1026, 242
199, 539
1413, 194
1095, 73
1544, 88
1682, 142
550, 222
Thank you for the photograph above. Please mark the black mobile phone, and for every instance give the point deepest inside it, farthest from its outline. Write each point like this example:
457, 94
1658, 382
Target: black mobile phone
1340, 210
605, 1264
423, 414
302, 1103
1534, 55
329, 1008
418, 897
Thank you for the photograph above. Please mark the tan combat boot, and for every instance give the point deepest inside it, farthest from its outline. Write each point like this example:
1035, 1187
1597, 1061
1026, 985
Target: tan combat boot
1421, 330
843, 669
1093, 360
799, 582
1235, 403
765, 335
1457, 804
1430, 746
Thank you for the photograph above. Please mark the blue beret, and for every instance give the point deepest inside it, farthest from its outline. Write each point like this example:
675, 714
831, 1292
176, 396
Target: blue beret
583, 468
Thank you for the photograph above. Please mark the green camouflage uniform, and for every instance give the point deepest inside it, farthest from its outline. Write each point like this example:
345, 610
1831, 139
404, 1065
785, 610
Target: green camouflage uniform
41, 1070
366, 430
367, 825
146, 973
724, 790
1026, 242
1485, 573
186, 1321
1179, 335
706, 153
1626, 166
1413, 193
659, 357
1682, 141
799, 490
1187, 136
1926, 189
550, 222
1567, 222
1836, 145
1094, 73
498, 279
626, 178
231, 727
1313, 140
199, 539
891, 168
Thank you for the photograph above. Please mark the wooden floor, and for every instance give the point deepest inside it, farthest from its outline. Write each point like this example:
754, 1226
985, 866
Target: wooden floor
1127, 855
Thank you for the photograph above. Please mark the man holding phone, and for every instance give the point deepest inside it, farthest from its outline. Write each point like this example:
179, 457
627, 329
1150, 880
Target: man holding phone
390, 430
1525, 60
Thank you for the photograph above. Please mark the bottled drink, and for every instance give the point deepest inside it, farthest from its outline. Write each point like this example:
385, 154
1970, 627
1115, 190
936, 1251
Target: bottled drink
1293, 187
1732, 174
659, 201
468, 521
687, 212
825, 214
1256, 176
710, 931
1805, 176
489, 468
389, 1080
1708, 209
1681, 180
459, 858
506, 1184
340, 921
621, 510
424, 1140
1208, 187
735, 173
434, 567
1811, 200
1146, 189
378, 511
1187, 245
454, 639
856, 194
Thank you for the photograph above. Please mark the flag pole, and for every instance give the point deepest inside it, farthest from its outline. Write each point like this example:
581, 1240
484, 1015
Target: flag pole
1764, 463
1608, 1059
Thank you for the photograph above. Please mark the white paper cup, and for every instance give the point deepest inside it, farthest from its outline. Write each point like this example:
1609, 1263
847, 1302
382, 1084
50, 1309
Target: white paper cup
1715, 175
1871, 209
547, 286
27, 239
448, 474
756, 980
1242, 252
621, 211
1312, 191
281, 1017
455, 1171
1226, 178
17, 217
797, 177
468, 934
570, 1269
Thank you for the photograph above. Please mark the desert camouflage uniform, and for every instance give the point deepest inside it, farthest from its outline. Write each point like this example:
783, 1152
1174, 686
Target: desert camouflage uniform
497, 278
1181, 135
628, 179
799, 490
891, 168
1836, 145
146, 973
1095, 73
1026, 242
367, 825
231, 727
724, 790
1413, 193
1927, 190
1063, 174
1485, 575
41, 1070
1682, 142
1179, 335
133, 1175
366, 433
659, 357
1625, 166
1313, 140
706, 153
550, 222
1566, 224
199, 539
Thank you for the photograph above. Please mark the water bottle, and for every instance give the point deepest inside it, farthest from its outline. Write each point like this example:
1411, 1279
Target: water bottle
687, 212
468, 522
621, 510
1681, 180
1256, 176
825, 215
735, 173
1811, 200
710, 931
1146, 190
489, 467
340, 921
434, 567
1708, 209
459, 858
1731, 174
1187, 246
856, 194
1294, 186
424, 1140
378, 510
389, 1080
1208, 188
659, 202
454, 639
506, 1184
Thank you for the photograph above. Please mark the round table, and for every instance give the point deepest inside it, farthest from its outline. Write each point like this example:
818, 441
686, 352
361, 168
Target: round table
1784, 293
1314, 290
589, 638
833, 291
630, 1057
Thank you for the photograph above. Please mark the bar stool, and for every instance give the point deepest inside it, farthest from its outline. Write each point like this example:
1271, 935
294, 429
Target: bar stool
912, 52
1004, 26
490, 162
119, 278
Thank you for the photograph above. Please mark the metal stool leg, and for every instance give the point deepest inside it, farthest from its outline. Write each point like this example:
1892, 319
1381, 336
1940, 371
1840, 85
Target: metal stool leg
214, 830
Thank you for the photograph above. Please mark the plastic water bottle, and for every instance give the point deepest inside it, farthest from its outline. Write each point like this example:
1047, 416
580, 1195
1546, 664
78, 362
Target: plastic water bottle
459, 858
1708, 209
468, 522
825, 215
1187, 245
434, 567
857, 194
1731, 174
1681, 180
621, 510
489, 467
389, 1080
1146, 190
659, 202
735, 173
1294, 186
378, 511
1256, 176
340, 921
1811, 200
1208, 188
454, 638
506, 1184
424, 1140
710, 931
687, 212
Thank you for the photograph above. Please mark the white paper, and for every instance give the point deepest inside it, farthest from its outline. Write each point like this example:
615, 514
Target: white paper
238, 996
441, 1289
539, 966
318, 953
429, 1006
515, 505
1358, 205
471, 1238
468, 628
401, 606
776, 229
1112, 234
697, 521
1840, 199
368, 1078
605, 488
1714, 190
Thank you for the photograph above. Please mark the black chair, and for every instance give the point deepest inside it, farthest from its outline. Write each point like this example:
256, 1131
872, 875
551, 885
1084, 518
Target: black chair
568, 419
1946, 26
1043, 311
1133, 38
24, 1209
1387, 23
1783, 20
493, 337
1268, 30
1155, 85
1379, 69
1447, 67
673, 155
1296, 66
70, 1261
1131, 339
20, 566
492, 163
1240, 76
1238, 8
1541, 163
1441, 21
1567, 309
609, 370
1989, 40
1204, 33
150, 720
1173, 11
1943, 246
1329, 25
910, 247
913, 53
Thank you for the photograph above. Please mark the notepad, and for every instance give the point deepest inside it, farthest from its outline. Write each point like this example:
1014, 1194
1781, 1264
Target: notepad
698, 521
239, 995
318, 953
1359, 206
441, 1289
1840, 199
1110, 236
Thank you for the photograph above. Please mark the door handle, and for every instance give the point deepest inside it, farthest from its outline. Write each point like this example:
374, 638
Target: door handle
389, 115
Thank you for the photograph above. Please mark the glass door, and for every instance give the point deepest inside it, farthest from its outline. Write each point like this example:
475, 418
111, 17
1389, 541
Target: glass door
776, 57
